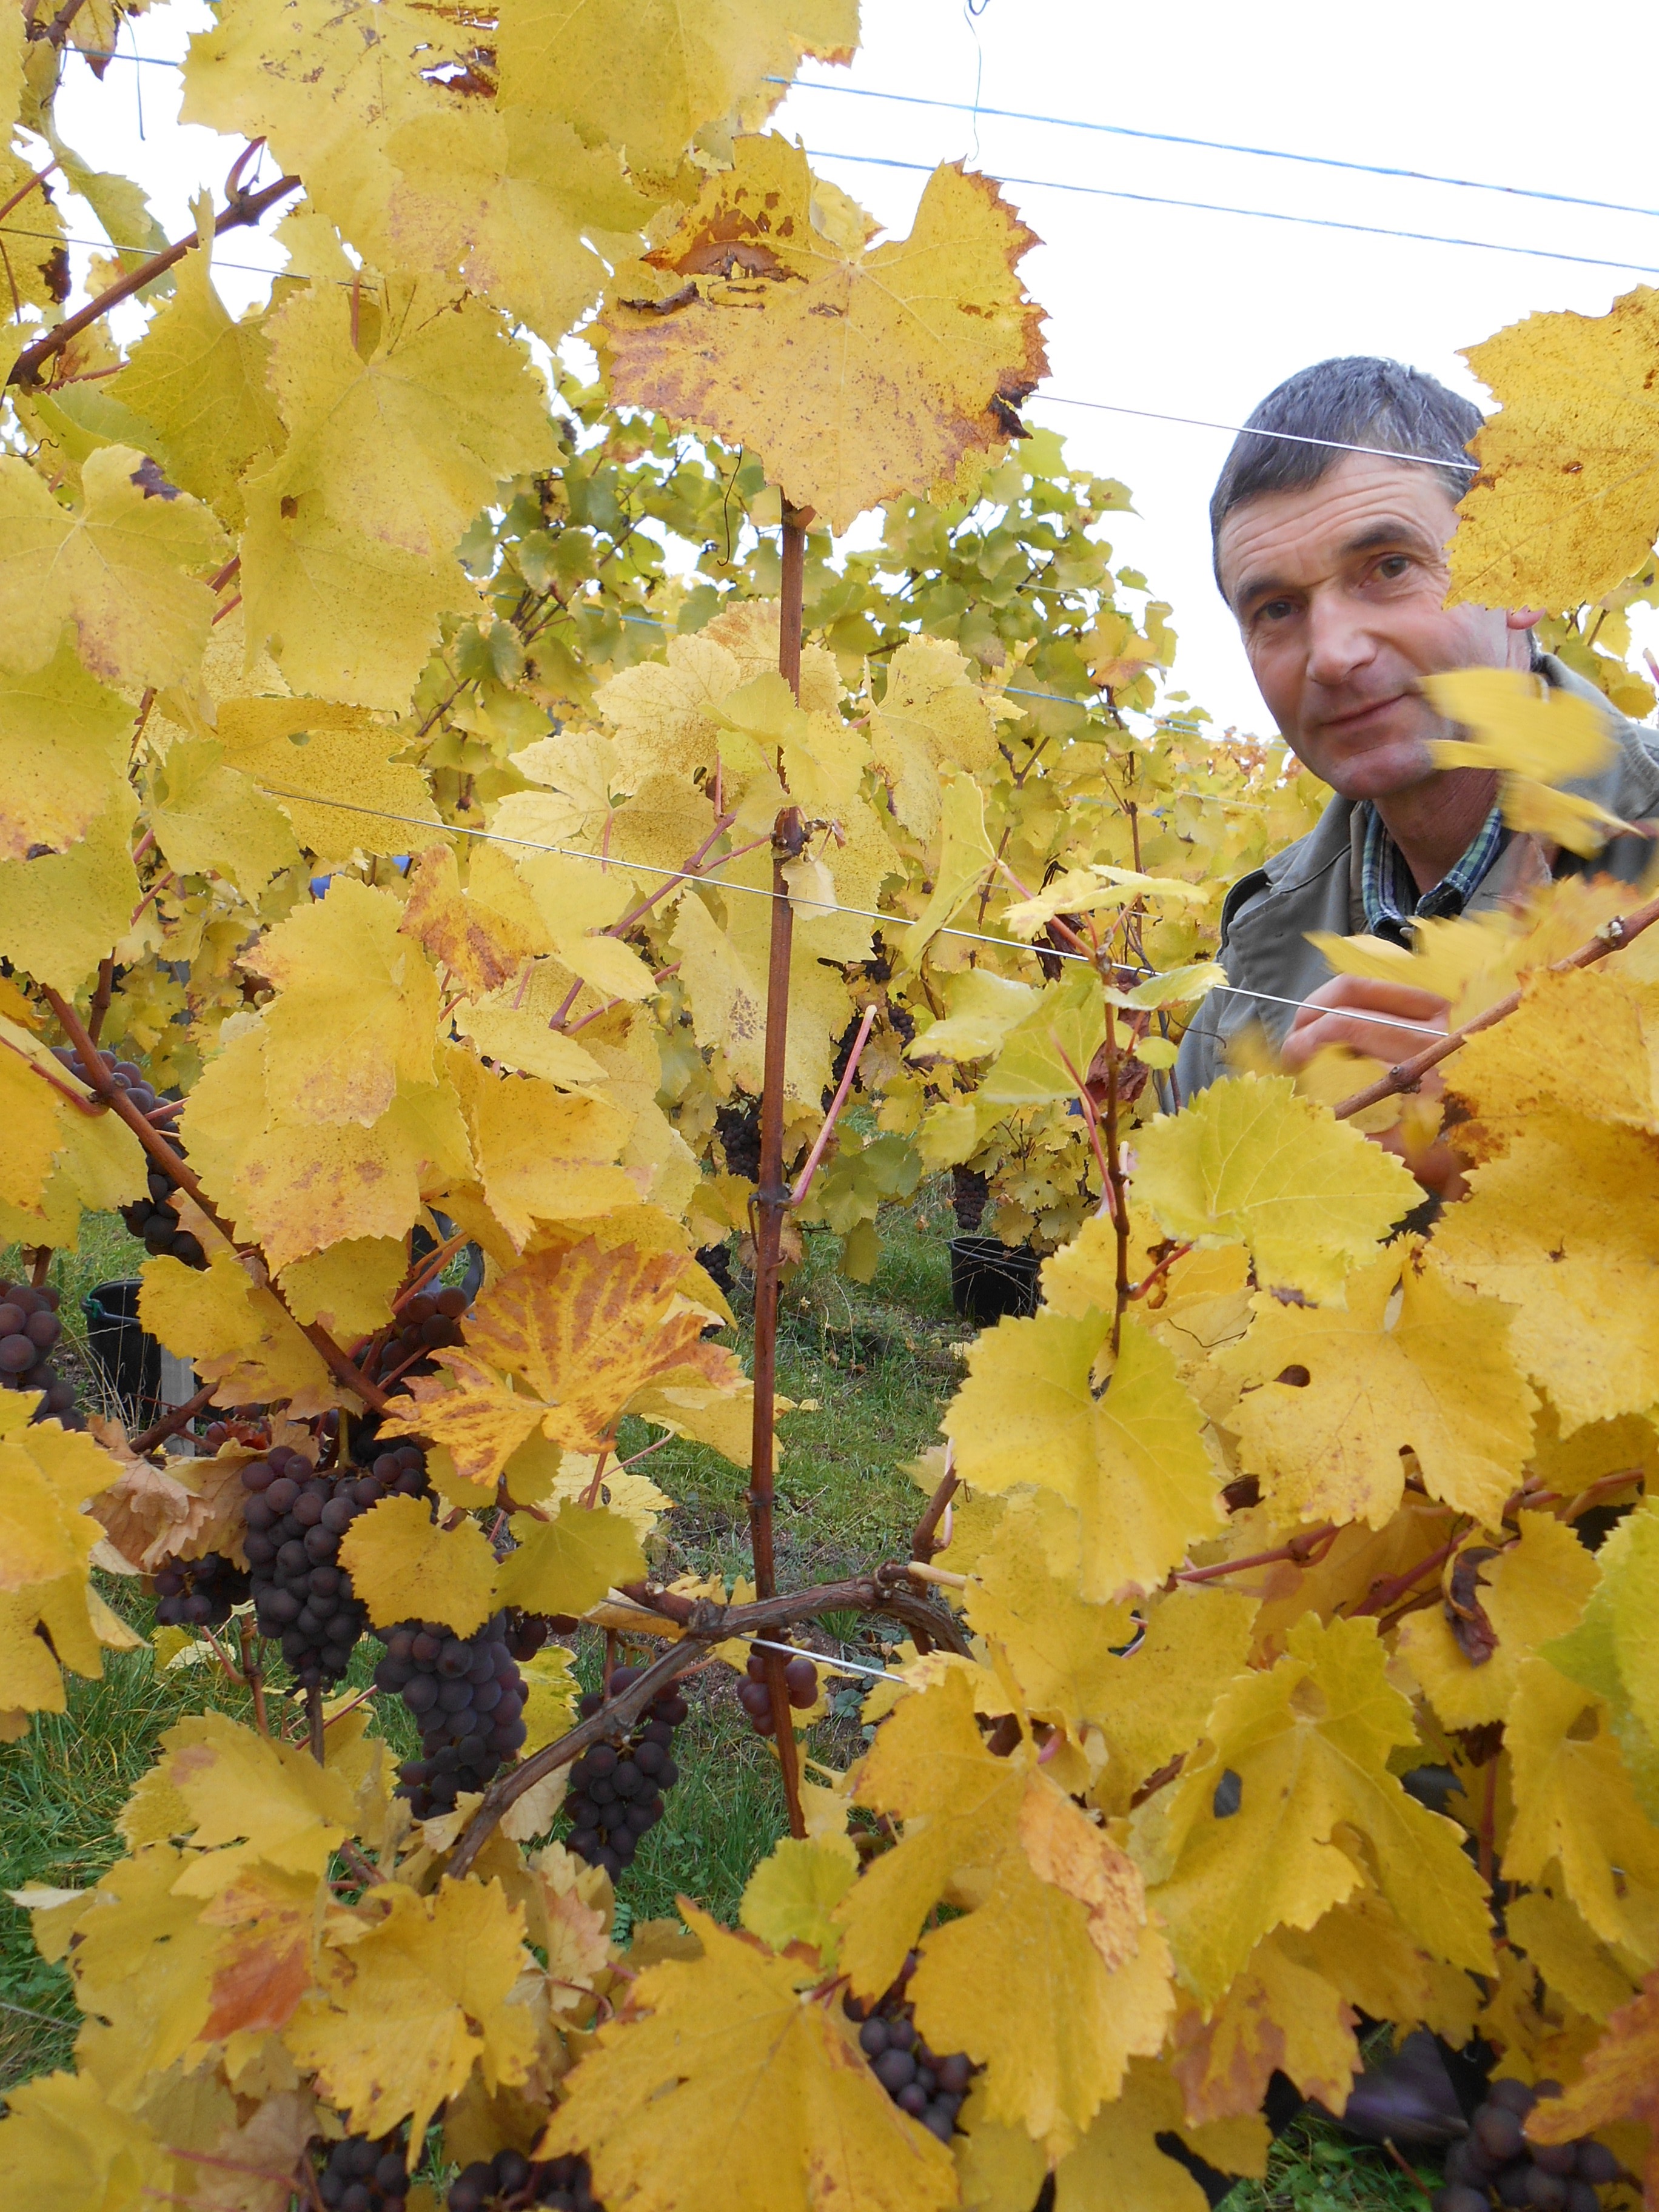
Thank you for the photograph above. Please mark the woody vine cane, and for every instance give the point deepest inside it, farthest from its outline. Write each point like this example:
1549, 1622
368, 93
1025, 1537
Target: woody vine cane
772, 1196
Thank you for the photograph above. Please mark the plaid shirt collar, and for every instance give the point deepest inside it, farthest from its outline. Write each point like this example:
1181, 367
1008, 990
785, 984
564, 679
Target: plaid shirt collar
1388, 890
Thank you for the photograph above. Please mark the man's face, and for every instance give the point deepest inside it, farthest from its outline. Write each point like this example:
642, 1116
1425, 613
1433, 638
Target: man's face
1338, 590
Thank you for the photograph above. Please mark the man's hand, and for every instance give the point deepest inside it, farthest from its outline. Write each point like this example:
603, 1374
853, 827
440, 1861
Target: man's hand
1367, 1017
1355, 1011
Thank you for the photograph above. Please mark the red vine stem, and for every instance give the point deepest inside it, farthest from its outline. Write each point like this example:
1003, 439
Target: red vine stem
803, 1184
1407, 1074
772, 1194
1303, 1551
171, 1423
100, 1082
243, 209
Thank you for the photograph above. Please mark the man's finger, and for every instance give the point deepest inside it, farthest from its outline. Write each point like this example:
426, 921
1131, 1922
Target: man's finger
1375, 1036
1405, 999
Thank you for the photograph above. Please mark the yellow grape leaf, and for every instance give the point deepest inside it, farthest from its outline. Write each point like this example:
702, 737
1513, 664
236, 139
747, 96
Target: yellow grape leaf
152, 1514
1538, 737
209, 820
541, 1155
1619, 2083
1567, 504
77, 1621
568, 1562
1024, 1597
1574, 1804
1121, 2161
500, 197
60, 914
261, 1965
1589, 1974
121, 570
349, 1288
1196, 1639
1333, 1396
64, 2143
480, 944
791, 1895
550, 1707
648, 77
63, 748
982, 1009
237, 1786
34, 1114
1046, 1886
583, 1330
46, 1475
575, 903
1130, 1456
236, 1333
733, 2081
1535, 1589
1587, 1324
405, 1566
199, 379
1045, 1055
964, 855
327, 83
411, 2005
933, 716
356, 1012
348, 559
770, 330
1309, 1740
1277, 2015
516, 1038
665, 717
1362, 1949
725, 973
1250, 1162
314, 758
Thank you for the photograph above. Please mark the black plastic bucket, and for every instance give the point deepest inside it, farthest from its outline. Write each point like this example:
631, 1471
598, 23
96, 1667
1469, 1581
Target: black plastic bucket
989, 1278
129, 1359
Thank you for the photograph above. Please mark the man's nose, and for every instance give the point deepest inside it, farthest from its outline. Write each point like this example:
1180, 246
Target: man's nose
1339, 640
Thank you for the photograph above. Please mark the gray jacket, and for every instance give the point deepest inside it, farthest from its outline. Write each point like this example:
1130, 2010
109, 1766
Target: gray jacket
1313, 885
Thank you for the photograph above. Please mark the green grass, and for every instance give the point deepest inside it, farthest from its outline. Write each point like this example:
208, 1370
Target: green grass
877, 1362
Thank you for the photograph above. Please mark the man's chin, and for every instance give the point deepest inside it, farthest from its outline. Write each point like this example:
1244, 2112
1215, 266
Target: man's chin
1379, 770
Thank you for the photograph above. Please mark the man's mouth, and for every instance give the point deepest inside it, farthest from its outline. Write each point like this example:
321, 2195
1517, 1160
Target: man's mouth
1358, 719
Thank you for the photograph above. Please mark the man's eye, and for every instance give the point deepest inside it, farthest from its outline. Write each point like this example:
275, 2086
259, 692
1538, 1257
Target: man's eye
1392, 567
1273, 611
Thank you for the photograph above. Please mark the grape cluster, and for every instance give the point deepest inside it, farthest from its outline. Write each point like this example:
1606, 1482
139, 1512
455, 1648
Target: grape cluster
526, 1632
468, 1697
429, 1321
29, 1327
800, 1678
561, 2185
1496, 2159
364, 2174
931, 2089
295, 1519
127, 1075
617, 1789
153, 1219
199, 1593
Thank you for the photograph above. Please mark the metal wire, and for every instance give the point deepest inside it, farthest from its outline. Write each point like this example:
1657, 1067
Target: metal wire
1215, 146
758, 890
1259, 214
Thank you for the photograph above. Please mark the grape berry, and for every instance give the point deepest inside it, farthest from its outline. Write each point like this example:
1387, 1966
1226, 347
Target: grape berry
929, 2089
430, 1321
468, 1697
617, 1789
199, 1593
1495, 2159
29, 1327
800, 1678
295, 1519
561, 2185
362, 2174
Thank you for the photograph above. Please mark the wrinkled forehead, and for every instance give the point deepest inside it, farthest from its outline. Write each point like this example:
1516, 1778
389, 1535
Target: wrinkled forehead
1294, 540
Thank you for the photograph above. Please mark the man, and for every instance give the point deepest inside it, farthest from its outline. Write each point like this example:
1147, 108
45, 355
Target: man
1334, 563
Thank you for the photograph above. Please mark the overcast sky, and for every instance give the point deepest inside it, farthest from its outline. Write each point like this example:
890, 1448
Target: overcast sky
1164, 308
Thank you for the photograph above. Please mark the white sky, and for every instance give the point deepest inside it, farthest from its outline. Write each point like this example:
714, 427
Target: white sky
1186, 312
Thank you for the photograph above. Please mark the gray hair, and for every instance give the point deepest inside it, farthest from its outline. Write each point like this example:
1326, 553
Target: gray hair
1361, 400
